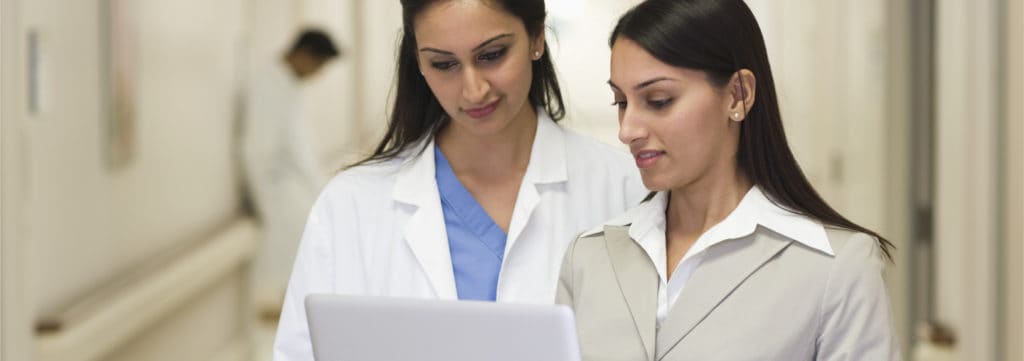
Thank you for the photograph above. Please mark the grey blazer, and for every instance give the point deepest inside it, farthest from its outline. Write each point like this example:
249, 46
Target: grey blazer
761, 297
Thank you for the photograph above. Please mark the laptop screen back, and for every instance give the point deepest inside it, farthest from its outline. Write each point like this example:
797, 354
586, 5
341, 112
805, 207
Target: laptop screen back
378, 328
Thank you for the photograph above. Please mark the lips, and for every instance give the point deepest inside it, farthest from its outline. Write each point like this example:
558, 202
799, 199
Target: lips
482, 111
647, 158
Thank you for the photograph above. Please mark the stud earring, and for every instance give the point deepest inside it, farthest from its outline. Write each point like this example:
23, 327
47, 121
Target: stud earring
736, 116
536, 55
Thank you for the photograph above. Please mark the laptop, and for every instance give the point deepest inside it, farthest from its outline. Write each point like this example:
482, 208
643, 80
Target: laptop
367, 328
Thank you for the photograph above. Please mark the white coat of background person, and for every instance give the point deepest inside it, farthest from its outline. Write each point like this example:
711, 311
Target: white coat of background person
282, 170
476, 85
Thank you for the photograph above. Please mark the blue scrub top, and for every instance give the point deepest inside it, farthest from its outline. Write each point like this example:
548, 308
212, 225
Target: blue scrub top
476, 242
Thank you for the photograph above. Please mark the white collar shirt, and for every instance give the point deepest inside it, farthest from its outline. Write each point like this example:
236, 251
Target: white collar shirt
647, 228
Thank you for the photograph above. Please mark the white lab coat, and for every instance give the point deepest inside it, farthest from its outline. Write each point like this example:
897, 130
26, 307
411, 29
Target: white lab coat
379, 230
281, 168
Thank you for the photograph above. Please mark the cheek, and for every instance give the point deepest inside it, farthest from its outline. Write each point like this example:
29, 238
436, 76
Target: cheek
691, 134
445, 88
514, 77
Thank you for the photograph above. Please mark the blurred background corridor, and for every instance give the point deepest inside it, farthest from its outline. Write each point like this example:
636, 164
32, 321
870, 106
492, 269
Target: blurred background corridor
128, 232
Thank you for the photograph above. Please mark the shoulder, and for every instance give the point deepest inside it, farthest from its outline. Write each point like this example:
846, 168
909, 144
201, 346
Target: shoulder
853, 253
366, 175
853, 247
577, 144
590, 158
858, 262
595, 242
371, 180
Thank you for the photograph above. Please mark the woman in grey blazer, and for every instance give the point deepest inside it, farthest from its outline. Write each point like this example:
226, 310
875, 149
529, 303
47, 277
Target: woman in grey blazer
733, 256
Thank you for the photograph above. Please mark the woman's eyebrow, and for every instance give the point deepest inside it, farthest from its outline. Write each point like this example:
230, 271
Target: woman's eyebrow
483, 44
643, 84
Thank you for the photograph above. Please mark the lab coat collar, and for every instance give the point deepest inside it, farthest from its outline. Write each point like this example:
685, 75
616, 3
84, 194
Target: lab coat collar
547, 166
425, 232
548, 163
548, 157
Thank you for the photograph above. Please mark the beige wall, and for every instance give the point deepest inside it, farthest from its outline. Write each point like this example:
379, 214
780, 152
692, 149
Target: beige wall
15, 303
88, 223
379, 24
332, 95
1014, 182
578, 39
966, 203
82, 225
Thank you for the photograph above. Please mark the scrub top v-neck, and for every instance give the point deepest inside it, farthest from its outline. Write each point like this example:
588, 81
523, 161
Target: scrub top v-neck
476, 242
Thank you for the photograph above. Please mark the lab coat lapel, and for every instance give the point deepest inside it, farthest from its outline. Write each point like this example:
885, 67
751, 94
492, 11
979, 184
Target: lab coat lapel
425, 232
547, 165
724, 268
638, 281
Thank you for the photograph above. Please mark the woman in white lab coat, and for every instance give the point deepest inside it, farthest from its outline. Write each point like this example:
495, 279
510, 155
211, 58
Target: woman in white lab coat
474, 192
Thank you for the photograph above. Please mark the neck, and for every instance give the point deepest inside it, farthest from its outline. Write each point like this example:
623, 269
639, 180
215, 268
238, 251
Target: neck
695, 208
499, 154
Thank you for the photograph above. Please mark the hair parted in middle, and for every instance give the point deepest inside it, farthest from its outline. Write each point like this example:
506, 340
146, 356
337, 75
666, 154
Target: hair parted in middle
416, 114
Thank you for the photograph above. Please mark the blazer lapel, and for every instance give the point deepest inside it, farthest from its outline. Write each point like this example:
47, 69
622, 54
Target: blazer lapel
638, 281
425, 231
724, 268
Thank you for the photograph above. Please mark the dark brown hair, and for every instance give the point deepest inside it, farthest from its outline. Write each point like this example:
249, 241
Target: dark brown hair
417, 114
721, 37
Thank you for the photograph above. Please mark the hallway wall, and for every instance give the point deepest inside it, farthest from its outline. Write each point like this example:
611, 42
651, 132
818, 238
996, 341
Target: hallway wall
96, 222
1013, 143
88, 225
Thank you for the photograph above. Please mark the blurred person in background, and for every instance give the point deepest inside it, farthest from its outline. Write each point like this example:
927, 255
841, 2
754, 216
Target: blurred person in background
475, 190
735, 256
279, 157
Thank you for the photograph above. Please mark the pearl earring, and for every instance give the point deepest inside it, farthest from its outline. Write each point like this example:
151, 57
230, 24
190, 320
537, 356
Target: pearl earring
736, 116
536, 55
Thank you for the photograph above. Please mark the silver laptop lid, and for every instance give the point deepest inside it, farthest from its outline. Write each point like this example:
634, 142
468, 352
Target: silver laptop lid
380, 328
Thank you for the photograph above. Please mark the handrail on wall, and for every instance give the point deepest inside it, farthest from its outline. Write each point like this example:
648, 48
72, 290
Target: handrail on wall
105, 326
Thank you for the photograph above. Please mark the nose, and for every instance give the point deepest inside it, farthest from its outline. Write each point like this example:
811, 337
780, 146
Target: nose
474, 86
631, 127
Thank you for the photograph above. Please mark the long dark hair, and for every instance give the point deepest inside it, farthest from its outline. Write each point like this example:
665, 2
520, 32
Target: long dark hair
721, 37
417, 114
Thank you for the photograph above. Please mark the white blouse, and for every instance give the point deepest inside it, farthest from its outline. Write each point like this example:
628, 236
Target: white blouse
755, 209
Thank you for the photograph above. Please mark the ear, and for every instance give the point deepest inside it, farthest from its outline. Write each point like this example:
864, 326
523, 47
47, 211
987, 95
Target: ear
742, 89
537, 47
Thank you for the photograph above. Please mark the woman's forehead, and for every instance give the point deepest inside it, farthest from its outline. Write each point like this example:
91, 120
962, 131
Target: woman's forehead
459, 25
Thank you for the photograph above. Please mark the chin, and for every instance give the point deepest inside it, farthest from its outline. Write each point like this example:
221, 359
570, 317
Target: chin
653, 184
492, 124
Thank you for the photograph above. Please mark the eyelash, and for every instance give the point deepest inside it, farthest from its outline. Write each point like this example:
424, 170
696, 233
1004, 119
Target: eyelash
660, 103
492, 56
655, 104
444, 65
484, 58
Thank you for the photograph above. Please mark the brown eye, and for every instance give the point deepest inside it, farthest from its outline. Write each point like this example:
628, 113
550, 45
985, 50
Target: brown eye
443, 65
658, 104
492, 56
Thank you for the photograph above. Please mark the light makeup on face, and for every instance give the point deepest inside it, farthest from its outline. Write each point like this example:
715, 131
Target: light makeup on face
489, 52
657, 98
